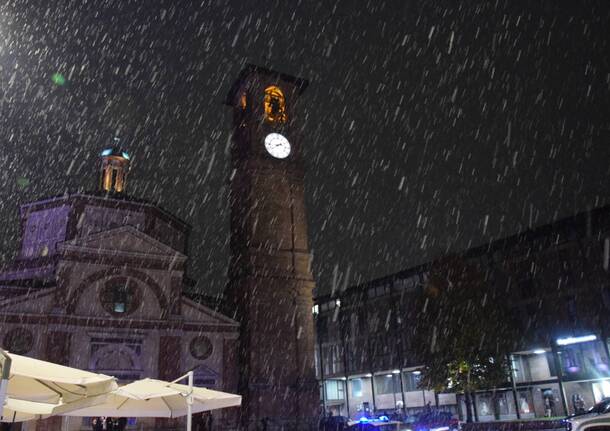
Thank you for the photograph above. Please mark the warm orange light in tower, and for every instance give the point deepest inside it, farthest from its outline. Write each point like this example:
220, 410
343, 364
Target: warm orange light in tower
113, 176
275, 105
114, 169
107, 180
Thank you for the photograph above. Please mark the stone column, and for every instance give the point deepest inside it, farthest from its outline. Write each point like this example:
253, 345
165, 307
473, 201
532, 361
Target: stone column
57, 350
230, 380
169, 369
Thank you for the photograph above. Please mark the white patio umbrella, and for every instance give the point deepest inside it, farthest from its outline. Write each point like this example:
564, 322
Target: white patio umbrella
36, 388
21, 410
45, 382
5, 369
160, 399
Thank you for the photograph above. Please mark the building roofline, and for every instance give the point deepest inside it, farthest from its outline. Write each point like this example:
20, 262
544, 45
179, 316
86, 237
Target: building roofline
107, 197
488, 247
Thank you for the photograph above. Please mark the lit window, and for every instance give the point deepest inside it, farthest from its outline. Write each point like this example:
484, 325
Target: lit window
387, 384
119, 296
275, 105
356, 388
119, 307
334, 390
119, 299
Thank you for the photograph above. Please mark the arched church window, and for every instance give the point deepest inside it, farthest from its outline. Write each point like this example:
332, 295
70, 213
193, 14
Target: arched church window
120, 296
19, 341
275, 105
115, 357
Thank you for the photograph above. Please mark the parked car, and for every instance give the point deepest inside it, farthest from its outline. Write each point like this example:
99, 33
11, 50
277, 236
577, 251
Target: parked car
597, 418
432, 421
383, 423
333, 423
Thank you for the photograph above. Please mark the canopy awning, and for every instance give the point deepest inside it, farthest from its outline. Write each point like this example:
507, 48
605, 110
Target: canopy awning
157, 398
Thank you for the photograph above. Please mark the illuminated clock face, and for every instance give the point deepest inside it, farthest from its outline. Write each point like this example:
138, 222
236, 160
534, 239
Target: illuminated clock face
277, 145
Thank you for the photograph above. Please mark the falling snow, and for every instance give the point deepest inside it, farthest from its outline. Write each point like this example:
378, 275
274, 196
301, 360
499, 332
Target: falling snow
430, 126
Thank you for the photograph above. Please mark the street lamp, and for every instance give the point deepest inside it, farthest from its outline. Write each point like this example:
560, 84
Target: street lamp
575, 340
5, 369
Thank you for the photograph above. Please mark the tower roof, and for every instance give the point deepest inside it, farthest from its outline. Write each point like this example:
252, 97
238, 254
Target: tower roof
252, 69
116, 152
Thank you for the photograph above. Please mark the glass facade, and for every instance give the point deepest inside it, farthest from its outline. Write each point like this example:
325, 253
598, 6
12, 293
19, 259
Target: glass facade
533, 367
583, 361
335, 389
411, 380
537, 391
356, 388
387, 384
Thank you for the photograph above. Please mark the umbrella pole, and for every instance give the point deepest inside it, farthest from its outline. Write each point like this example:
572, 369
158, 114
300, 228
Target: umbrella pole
5, 371
189, 403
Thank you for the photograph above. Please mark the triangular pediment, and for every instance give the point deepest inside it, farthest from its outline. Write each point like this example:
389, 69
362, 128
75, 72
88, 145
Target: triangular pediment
204, 371
124, 239
196, 312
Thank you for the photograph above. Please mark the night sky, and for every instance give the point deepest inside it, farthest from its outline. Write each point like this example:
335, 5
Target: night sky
431, 126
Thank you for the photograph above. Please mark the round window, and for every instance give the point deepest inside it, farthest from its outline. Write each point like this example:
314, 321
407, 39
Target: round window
120, 296
18, 341
201, 347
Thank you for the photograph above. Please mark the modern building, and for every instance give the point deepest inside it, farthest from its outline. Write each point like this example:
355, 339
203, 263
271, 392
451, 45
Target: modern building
99, 284
556, 281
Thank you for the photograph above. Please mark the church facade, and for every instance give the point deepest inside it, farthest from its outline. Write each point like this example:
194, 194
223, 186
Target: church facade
98, 284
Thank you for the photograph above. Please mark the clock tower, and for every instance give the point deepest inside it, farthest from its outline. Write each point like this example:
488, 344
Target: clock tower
270, 282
